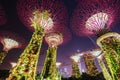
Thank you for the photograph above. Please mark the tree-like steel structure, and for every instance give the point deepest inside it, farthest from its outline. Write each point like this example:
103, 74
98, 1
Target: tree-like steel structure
96, 17
2, 15
49, 69
54, 39
75, 68
9, 41
39, 16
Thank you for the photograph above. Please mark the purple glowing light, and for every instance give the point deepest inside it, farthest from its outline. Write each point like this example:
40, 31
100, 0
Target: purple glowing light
92, 16
55, 8
64, 31
11, 40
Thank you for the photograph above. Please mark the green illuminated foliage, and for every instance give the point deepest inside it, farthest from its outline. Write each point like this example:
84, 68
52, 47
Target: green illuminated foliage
111, 48
49, 71
75, 70
27, 63
2, 56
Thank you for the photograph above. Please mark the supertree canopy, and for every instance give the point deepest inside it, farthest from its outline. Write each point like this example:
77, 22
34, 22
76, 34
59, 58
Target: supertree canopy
96, 17
2, 16
40, 16
54, 12
75, 68
53, 39
9, 41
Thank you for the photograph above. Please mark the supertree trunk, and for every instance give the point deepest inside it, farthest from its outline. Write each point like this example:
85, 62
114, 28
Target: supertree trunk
90, 65
105, 70
2, 56
110, 44
58, 76
58, 64
26, 65
75, 70
49, 71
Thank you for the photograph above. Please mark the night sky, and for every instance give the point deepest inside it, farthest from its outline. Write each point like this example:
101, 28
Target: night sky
64, 51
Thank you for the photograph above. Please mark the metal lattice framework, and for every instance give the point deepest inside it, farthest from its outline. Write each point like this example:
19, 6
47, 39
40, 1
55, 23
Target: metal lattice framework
55, 9
41, 16
104, 66
90, 17
53, 39
110, 44
9, 41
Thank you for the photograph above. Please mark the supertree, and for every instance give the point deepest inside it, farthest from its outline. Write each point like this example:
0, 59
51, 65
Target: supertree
90, 64
40, 16
2, 15
96, 17
53, 39
75, 68
9, 41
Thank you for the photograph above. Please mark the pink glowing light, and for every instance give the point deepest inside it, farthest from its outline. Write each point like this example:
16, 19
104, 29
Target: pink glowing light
91, 16
54, 39
54, 8
64, 31
11, 40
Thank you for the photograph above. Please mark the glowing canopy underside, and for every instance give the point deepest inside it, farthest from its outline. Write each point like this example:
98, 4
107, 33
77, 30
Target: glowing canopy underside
11, 40
9, 43
97, 22
52, 12
91, 16
54, 39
